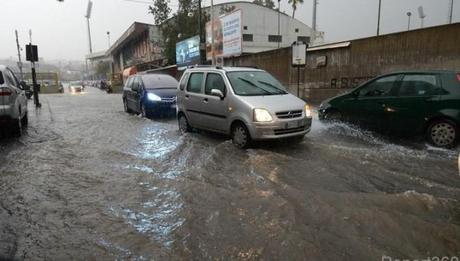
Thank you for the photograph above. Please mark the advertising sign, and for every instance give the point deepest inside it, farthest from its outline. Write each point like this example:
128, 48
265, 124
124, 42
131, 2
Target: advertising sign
299, 51
188, 51
227, 36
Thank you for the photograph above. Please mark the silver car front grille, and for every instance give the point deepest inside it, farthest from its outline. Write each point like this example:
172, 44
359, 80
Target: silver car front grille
289, 114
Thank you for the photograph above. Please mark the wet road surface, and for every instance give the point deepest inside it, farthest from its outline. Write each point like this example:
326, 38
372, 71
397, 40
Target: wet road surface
90, 182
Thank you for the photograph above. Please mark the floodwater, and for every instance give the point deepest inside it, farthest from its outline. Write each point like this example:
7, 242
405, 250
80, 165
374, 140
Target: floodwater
90, 182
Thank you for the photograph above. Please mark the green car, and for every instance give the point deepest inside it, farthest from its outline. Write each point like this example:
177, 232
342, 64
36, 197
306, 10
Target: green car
404, 103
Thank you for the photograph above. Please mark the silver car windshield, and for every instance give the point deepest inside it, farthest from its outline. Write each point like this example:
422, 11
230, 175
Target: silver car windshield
255, 83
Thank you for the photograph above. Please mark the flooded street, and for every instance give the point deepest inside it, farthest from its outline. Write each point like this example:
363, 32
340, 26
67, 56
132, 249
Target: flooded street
88, 181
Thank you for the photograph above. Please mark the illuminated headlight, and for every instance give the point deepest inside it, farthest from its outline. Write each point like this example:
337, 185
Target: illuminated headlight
153, 97
262, 115
307, 111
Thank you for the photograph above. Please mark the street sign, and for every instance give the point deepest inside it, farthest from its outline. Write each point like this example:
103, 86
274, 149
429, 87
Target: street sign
31, 53
299, 53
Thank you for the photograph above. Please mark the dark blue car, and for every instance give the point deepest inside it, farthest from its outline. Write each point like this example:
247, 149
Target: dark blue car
150, 94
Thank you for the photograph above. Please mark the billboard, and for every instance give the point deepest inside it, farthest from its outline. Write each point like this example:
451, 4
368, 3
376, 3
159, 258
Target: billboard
188, 51
227, 36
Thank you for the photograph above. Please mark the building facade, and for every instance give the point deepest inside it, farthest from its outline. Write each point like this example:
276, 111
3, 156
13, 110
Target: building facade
260, 26
139, 47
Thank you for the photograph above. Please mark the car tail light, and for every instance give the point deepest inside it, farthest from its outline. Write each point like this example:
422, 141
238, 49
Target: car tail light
5, 92
458, 77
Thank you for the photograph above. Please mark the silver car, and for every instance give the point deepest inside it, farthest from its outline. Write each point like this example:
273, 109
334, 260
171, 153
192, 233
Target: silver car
246, 103
13, 102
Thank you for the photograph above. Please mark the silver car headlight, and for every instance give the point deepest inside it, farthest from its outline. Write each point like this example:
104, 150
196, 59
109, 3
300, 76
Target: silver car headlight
262, 115
307, 111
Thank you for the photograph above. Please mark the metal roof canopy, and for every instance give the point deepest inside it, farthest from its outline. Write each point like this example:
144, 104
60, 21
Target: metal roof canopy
329, 46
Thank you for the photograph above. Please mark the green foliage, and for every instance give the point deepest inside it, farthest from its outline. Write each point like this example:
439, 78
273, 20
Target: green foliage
225, 9
160, 11
269, 4
294, 4
184, 24
266, 3
102, 68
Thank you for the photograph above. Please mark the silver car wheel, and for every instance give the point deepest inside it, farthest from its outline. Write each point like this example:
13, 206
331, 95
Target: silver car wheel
240, 136
443, 134
183, 125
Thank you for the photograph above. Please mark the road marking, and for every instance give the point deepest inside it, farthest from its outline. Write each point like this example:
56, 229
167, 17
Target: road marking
458, 164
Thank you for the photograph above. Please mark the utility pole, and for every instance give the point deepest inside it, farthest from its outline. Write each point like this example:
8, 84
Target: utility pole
378, 19
34, 74
200, 31
422, 16
451, 11
213, 58
313, 23
409, 14
279, 22
19, 56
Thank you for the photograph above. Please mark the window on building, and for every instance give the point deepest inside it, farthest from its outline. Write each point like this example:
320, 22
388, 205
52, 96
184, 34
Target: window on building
304, 39
248, 38
245, 27
275, 38
297, 30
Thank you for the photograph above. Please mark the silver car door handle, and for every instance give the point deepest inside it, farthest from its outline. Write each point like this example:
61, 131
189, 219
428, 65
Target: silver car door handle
205, 100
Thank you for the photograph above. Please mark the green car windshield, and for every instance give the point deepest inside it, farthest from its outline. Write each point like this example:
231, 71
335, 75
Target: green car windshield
255, 83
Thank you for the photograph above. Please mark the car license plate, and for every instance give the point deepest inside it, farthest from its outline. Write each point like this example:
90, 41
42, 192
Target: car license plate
293, 124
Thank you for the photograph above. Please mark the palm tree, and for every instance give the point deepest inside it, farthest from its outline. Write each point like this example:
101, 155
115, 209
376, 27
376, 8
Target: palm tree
294, 4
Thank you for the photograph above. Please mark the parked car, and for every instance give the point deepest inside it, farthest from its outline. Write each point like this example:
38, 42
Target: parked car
28, 89
150, 94
13, 102
246, 103
75, 87
407, 103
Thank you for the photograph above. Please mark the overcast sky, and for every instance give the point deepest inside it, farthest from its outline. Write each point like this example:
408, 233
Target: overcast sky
60, 28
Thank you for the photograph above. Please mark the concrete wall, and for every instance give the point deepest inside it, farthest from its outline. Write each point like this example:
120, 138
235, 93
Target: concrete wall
347, 67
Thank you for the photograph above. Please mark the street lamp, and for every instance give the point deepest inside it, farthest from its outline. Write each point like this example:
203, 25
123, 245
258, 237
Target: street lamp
108, 38
409, 14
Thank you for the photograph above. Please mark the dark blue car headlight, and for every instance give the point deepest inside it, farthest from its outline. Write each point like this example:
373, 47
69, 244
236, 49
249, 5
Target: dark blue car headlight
153, 97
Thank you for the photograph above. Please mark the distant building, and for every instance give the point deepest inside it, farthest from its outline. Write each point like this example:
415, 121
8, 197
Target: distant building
139, 48
260, 26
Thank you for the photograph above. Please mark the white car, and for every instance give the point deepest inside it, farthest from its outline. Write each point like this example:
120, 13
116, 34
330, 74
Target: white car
75, 87
13, 102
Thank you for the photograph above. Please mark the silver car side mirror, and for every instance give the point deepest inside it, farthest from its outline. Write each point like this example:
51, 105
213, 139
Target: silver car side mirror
218, 93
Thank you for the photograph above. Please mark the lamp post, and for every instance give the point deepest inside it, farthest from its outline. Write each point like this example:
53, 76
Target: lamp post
451, 11
108, 38
409, 14
378, 19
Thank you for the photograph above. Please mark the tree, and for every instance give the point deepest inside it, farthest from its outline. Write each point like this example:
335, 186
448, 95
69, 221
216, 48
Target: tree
294, 4
270, 4
266, 3
258, 2
184, 24
160, 11
225, 9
